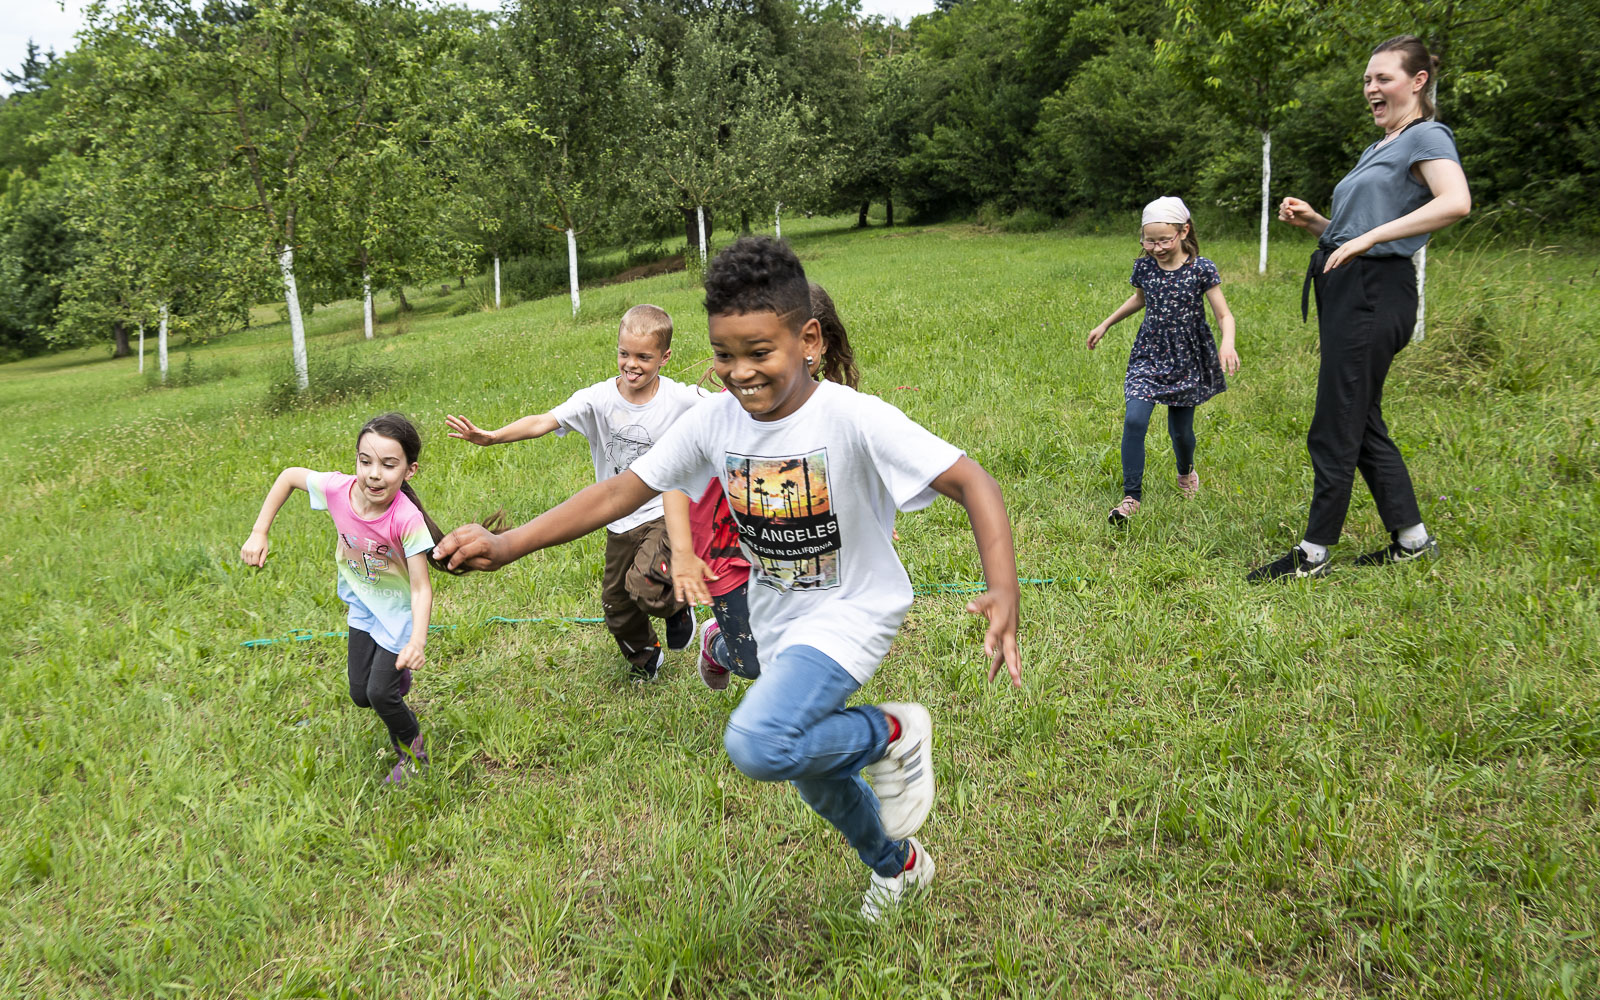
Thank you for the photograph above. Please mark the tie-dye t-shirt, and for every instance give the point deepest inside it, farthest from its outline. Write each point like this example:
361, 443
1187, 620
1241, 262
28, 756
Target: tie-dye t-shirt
371, 555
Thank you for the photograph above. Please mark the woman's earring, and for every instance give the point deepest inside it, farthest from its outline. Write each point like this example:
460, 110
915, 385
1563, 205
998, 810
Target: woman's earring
809, 359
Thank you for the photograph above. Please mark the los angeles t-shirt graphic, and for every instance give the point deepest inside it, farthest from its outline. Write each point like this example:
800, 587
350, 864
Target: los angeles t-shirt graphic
784, 512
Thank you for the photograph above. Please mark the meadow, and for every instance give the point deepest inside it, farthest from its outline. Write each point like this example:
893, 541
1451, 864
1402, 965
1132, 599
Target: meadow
1382, 784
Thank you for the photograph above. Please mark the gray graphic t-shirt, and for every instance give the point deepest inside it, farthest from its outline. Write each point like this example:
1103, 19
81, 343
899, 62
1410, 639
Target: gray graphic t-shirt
619, 432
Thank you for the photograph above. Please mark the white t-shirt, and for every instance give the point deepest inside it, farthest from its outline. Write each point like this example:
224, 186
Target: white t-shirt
814, 497
619, 431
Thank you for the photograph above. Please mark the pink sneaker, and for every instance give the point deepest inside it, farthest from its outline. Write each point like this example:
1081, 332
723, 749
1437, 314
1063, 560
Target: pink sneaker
1123, 511
715, 676
1189, 485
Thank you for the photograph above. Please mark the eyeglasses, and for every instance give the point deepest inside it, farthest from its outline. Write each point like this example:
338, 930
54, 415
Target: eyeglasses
1158, 244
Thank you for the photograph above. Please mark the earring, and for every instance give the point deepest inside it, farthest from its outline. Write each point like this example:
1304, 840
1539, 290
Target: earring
809, 359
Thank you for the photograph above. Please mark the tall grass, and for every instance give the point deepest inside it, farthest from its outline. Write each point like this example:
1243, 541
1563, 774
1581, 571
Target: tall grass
1383, 784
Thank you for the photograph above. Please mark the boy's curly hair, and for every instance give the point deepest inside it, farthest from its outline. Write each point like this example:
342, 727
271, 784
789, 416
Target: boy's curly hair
758, 274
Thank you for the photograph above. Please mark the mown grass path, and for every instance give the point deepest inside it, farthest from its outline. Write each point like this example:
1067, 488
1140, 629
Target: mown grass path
1382, 784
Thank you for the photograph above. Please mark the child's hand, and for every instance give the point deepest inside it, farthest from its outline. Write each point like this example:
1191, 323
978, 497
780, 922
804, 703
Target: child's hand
411, 657
466, 430
1095, 336
1229, 358
471, 546
1000, 639
689, 576
254, 551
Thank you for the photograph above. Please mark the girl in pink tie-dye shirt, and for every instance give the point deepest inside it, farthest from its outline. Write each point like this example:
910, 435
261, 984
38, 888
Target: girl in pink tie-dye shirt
384, 538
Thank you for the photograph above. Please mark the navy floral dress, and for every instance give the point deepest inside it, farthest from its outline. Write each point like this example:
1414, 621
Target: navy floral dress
1174, 359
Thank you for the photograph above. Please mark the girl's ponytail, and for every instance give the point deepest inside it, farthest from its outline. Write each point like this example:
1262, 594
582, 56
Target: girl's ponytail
1190, 242
838, 360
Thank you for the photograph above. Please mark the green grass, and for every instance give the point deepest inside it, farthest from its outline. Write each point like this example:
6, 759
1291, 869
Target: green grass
1381, 784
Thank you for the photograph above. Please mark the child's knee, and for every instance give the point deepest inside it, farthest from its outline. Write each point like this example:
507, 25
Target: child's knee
359, 696
755, 753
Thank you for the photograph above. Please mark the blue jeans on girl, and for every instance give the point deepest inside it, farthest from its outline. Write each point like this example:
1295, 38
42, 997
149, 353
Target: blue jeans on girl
793, 726
1180, 427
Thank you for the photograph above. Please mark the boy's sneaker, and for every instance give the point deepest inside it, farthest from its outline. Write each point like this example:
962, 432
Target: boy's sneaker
1189, 485
1293, 564
715, 675
903, 778
413, 760
884, 894
651, 670
1124, 510
680, 629
1394, 552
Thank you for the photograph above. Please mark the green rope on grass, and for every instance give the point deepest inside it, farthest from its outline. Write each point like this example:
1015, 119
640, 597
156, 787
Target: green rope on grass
919, 589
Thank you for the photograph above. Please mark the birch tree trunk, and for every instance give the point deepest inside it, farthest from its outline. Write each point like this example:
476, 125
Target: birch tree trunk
572, 268
366, 302
297, 326
1266, 193
161, 343
141, 348
700, 219
497, 281
777, 218
1421, 256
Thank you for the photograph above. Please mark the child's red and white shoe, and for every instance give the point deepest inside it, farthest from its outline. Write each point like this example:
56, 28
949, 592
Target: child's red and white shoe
903, 778
713, 673
1122, 512
884, 894
1189, 484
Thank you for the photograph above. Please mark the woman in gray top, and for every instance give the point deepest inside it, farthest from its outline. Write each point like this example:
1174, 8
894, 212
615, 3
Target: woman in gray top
1406, 185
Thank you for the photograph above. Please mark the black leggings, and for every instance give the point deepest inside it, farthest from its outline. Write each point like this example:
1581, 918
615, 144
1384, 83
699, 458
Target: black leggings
1135, 422
1366, 310
376, 684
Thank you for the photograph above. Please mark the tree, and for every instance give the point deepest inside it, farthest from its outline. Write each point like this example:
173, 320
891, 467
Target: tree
1243, 58
274, 100
722, 133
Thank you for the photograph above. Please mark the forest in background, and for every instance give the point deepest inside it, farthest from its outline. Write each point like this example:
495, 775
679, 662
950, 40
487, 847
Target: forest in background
185, 161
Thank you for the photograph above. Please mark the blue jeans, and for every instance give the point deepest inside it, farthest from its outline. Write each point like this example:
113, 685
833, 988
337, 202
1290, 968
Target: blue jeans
793, 726
734, 647
1180, 427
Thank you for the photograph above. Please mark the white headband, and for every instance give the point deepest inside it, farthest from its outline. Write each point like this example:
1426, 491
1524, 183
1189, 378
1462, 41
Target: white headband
1169, 209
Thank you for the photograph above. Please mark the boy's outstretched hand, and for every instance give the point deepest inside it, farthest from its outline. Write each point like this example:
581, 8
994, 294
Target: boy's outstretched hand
471, 546
1000, 639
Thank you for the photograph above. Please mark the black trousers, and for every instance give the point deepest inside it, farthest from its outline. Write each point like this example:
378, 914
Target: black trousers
376, 684
1366, 310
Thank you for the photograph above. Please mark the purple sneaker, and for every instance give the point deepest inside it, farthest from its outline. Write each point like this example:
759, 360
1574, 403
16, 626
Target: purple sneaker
413, 760
405, 682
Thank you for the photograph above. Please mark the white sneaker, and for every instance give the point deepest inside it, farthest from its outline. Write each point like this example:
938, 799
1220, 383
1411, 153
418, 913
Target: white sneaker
903, 779
883, 894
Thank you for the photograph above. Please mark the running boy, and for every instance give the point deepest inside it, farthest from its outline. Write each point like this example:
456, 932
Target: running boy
813, 473
622, 417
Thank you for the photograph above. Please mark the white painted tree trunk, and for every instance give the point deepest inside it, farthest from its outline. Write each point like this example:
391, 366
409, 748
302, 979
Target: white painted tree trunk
497, 281
1266, 192
366, 302
1421, 259
141, 348
1421, 256
161, 343
700, 217
297, 326
572, 268
777, 218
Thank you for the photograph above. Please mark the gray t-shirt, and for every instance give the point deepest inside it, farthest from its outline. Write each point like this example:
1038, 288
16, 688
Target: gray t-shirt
1382, 189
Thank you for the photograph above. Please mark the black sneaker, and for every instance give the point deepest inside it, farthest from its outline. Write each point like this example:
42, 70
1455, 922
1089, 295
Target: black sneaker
680, 629
1295, 563
651, 669
1394, 552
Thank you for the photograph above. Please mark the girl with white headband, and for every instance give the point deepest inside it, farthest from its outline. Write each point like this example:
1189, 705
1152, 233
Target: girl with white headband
1175, 361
